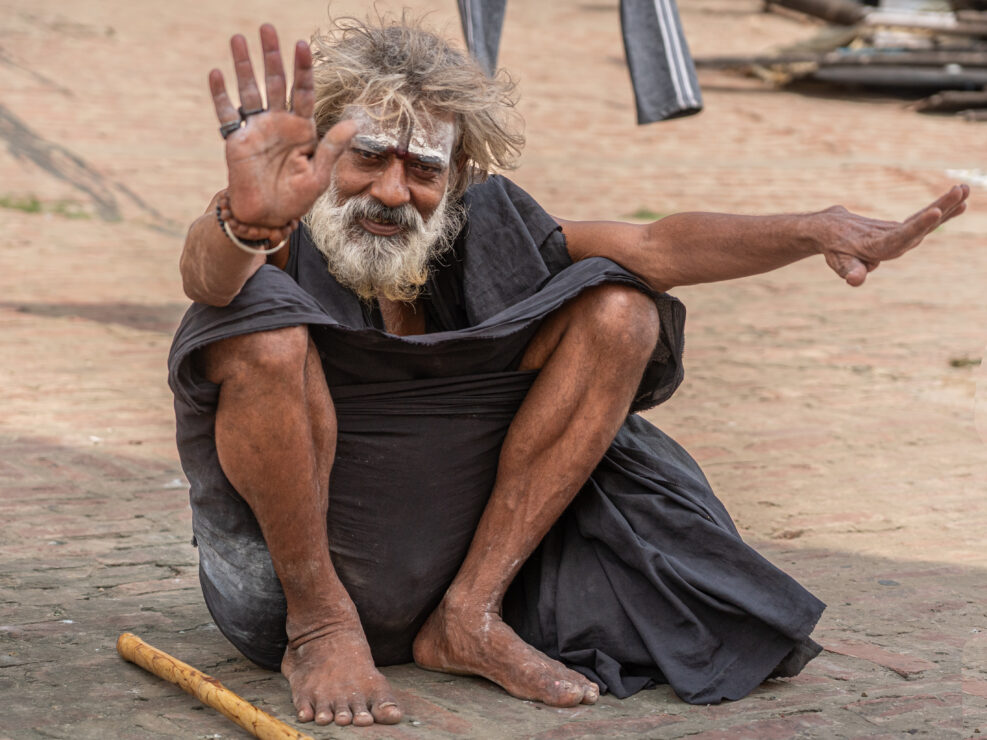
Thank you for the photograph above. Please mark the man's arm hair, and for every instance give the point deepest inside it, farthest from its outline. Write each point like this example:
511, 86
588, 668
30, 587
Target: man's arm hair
691, 248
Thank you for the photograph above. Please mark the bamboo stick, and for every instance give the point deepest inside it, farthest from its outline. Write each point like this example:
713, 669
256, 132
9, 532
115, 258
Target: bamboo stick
206, 689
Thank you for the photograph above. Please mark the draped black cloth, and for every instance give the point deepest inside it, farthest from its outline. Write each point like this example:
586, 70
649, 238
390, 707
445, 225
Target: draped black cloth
643, 579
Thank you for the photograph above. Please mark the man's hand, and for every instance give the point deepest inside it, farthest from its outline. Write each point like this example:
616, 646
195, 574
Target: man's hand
277, 168
855, 245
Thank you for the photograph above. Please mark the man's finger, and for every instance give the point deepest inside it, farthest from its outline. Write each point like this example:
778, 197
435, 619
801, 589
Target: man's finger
954, 213
273, 68
249, 94
945, 202
848, 267
332, 145
915, 229
303, 87
960, 206
854, 272
225, 111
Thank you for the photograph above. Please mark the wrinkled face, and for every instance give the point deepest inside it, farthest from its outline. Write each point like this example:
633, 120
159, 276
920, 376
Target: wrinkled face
387, 214
397, 164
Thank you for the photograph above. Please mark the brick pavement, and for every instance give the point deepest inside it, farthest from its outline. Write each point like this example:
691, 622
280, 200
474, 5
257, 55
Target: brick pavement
838, 425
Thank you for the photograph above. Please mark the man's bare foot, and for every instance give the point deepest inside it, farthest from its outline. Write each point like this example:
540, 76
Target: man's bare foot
480, 644
333, 677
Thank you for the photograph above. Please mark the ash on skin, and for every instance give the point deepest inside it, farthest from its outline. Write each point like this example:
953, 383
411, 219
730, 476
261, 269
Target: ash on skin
396, 266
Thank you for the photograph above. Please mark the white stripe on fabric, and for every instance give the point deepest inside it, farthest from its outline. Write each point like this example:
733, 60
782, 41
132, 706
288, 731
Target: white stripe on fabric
675, 31
470, 44
684, 93
673, 71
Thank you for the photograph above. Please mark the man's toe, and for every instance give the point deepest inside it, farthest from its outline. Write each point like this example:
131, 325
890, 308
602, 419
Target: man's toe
386, 711
343, 714
323, 712
306, 712
358, 708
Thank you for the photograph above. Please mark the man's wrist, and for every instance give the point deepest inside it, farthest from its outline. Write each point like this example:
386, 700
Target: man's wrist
812, 232
245, 231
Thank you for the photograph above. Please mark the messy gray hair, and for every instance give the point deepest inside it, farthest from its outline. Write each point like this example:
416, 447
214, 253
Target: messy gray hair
398, 70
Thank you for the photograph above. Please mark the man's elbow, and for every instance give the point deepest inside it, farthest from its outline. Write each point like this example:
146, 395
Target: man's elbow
199, 293
196, 284
209, 299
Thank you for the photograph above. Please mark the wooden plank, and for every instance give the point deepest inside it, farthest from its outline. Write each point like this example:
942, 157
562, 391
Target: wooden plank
953, 100
938, 23
840, 12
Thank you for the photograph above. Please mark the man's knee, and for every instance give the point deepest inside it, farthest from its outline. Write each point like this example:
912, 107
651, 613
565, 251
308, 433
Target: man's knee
279, 354
620, 319
614, 322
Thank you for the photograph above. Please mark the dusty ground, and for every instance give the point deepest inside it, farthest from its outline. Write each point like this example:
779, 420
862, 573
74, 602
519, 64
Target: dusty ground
838, 425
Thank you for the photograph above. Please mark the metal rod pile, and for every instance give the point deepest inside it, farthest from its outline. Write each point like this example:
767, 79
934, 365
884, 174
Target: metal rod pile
941, 55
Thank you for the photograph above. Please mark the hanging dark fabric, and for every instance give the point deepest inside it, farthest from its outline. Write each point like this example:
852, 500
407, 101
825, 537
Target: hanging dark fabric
661, 67
662, 72
483, 21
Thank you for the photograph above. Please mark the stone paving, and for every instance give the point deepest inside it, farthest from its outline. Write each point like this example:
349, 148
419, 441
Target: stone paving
839, 426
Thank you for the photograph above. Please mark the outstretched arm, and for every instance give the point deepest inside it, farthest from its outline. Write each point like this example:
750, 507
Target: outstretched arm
691, 248
276, 169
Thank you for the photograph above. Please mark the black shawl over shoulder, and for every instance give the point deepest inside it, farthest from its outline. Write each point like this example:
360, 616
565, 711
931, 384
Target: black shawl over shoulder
643, 579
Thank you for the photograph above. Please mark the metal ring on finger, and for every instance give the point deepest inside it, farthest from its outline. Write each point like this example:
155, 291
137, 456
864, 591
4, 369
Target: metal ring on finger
245, 114
225, 129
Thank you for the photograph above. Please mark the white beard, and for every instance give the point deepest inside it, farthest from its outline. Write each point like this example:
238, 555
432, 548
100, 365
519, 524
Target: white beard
393, 267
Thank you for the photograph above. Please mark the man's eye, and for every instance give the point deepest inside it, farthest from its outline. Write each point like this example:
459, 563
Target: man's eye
367, 155
426, 170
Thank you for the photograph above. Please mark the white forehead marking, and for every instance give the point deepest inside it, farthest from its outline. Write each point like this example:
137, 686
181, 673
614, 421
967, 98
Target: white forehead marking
431, 143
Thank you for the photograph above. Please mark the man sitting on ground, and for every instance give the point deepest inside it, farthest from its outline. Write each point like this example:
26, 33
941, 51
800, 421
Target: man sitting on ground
407, 430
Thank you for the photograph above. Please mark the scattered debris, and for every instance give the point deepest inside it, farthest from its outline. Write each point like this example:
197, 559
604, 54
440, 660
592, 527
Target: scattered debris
901, 47
974, 177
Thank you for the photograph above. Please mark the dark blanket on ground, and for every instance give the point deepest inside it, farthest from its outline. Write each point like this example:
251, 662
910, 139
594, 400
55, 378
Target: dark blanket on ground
644, 579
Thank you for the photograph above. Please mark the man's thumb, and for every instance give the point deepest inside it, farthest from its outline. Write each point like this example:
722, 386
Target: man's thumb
333, 144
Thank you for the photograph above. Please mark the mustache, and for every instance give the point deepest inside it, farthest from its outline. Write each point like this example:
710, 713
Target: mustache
367, 206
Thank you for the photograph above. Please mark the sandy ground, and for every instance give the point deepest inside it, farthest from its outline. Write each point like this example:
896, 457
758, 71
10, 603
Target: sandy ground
838, 425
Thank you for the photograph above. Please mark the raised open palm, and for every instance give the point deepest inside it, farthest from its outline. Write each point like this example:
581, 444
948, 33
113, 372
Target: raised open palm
277, 166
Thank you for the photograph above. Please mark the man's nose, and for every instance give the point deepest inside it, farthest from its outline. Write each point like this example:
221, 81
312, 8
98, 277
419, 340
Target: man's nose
390, 187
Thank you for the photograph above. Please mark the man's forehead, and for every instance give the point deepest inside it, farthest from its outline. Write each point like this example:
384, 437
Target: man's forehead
429, 140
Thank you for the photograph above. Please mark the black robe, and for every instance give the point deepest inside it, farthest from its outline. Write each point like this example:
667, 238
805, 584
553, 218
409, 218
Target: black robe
643, 579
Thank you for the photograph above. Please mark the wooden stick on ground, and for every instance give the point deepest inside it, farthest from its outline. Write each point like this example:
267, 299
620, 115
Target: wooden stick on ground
206, 689
953, 100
